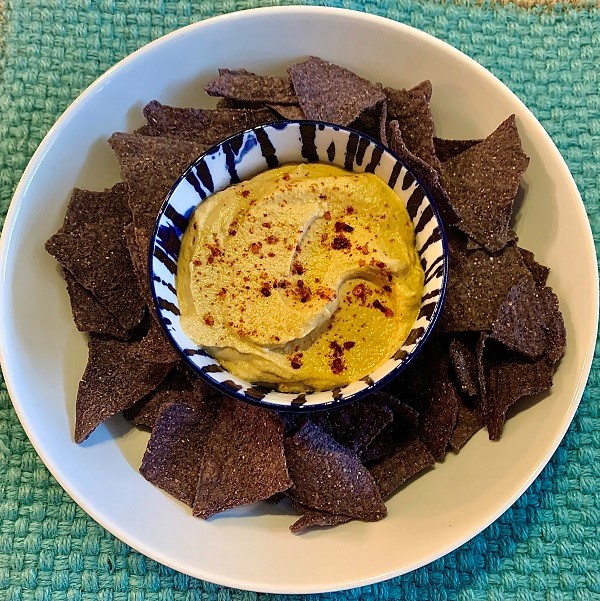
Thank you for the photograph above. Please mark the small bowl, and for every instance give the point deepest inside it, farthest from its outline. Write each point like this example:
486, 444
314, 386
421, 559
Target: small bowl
266, 147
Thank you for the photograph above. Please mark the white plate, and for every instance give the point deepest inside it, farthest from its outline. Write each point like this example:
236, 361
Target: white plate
43, 356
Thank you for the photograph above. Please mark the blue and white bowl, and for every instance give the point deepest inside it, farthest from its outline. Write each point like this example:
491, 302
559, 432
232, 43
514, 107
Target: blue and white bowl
243, 156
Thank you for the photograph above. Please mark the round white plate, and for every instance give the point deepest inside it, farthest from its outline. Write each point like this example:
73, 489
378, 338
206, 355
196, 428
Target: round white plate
43, 356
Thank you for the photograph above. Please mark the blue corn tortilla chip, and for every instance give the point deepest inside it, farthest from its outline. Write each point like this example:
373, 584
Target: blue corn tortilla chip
243, 460
89, 314
426, 174
504, 378
313, 518
329, 477
464, 362
468, 423
411, 458
411, 110
292, 112
134, 240
248, 87
204, 126
356, 424
328, 92
150, 166
173, 456
176, 387
114, 379
427, 386
154, 346
482, 184
539, 272
448, 149
554, 326
477, 286
520, 323
96, 256
86, 206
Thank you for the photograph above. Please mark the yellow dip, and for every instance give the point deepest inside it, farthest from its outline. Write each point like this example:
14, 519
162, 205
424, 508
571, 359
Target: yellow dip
305, 276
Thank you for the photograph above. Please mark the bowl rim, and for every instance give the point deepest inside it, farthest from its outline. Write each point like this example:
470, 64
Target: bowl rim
17, 392
333, 402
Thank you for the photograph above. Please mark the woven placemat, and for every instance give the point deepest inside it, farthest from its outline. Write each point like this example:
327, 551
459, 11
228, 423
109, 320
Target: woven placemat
546, 547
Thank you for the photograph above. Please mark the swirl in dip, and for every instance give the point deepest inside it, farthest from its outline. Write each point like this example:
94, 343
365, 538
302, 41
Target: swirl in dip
305, 277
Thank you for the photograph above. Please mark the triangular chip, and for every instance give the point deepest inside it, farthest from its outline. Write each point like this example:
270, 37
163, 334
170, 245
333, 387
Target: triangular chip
89, 314
204, 126
173, 455
248, 87
155, 347
477, 286
151, 166
482, 183
114, 379
410, 108
96, 256
520, 323
410, 459
329, 477
86, 206
328, 92
244, 460
504, 378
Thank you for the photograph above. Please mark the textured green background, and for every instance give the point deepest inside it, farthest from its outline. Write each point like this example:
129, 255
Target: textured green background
546, 546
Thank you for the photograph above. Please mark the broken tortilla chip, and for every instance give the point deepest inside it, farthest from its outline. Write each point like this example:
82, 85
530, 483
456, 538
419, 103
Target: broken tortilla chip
86, 206
411, 110
539, 272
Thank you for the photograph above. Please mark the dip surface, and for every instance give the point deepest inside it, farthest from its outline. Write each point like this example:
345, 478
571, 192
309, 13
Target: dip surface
305, 276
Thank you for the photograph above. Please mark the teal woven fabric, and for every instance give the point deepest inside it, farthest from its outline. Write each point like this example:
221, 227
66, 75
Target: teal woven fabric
546, 547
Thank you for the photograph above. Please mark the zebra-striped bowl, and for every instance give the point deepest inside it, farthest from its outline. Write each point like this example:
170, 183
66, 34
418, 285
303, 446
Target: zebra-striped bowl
243, 156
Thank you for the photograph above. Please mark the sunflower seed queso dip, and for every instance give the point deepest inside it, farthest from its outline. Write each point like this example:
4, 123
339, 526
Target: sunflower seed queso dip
305, 276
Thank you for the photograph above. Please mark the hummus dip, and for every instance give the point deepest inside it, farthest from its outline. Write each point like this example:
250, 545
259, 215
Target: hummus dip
305, 277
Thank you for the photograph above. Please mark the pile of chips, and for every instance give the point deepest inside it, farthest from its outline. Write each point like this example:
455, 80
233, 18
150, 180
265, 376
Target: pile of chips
500, 337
